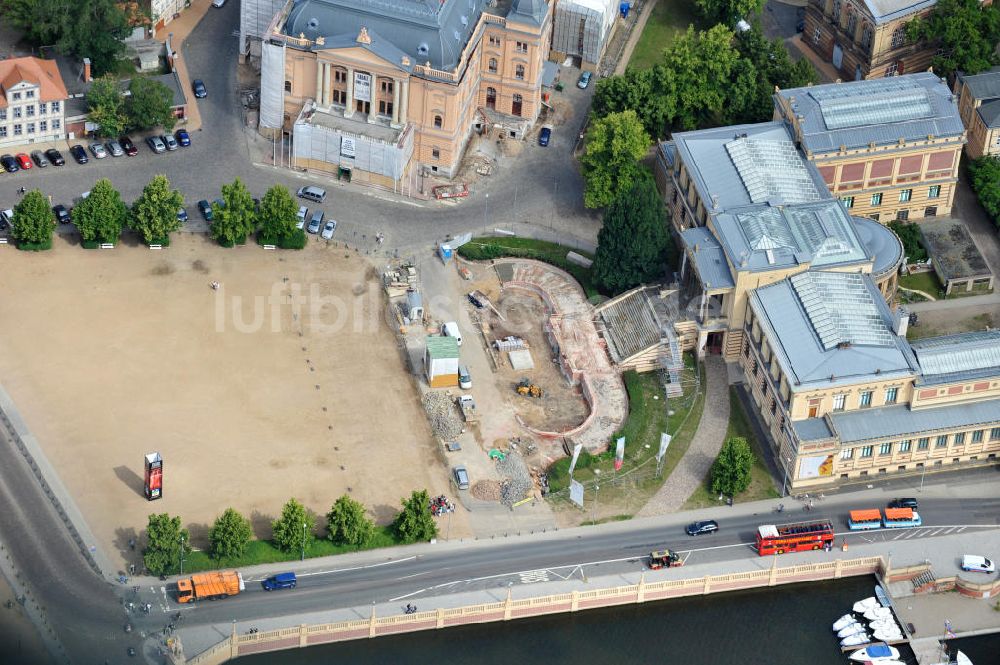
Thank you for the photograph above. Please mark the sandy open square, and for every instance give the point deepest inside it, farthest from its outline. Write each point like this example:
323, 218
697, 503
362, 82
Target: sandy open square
283, 382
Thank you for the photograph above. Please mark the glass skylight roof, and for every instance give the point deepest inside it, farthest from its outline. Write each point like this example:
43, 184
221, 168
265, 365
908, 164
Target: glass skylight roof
841, 309
772, 170
959, 353
874, 102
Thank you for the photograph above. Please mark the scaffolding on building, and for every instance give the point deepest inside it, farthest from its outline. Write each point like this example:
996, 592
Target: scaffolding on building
582, 28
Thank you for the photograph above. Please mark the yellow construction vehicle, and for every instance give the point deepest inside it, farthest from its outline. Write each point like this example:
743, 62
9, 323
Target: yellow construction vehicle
528, 389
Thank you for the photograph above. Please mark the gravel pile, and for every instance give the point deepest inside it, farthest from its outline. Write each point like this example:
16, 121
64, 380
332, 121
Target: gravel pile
442, 415
486, 490
517, 480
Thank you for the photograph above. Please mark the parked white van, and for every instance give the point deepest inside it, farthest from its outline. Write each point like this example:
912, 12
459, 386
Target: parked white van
450, 329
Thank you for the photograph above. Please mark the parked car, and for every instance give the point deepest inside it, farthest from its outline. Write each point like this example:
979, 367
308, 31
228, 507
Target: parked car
6, 218
170, 142
200, 91
183, 137
182, 215
906, 502
55, 157
461, 477
584, 80
301, 217
218, 3
114, 149
544, 136
79, 154
704, 526
40, 159
62, 214
315, 222
317, 194
9, 163
464, 378
979, 564
155, 144
328, 229
98, 151
280, 581
127, 145
23, 160
206, 210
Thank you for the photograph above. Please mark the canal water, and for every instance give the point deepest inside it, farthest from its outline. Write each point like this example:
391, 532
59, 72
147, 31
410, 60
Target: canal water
786, 625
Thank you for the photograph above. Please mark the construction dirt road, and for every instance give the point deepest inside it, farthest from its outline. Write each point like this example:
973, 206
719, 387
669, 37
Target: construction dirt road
283, 382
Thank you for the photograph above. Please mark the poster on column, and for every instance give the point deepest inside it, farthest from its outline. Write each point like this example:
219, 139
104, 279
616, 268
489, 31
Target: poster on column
362, 86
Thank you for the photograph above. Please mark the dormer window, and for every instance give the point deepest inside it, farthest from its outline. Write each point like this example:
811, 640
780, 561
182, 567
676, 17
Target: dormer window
423, 49
29, 94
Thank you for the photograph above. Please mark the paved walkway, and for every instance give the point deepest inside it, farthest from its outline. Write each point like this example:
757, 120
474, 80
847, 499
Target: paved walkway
956, 303
705, 446
180, 28
636, 32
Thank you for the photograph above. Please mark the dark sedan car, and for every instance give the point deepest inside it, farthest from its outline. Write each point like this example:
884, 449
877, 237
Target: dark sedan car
206, 209
62, 214
79, 154
200, 91
9, 163
55, 157
129, 147
704, 526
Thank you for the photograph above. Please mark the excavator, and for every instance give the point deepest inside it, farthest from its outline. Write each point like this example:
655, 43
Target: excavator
528, 389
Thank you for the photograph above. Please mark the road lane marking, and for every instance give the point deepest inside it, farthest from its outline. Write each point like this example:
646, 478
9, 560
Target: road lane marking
342, 570
406, 577
532, 576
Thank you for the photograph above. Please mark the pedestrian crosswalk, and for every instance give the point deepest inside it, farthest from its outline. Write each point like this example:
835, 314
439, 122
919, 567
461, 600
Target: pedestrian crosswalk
928, 532
533, 576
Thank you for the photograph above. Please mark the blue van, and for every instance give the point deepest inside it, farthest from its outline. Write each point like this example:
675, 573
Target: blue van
280, 581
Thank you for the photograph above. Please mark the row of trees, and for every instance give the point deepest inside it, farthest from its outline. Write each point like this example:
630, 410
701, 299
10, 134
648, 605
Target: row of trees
147, 104
84, 28
101, 217
347, 524
966, 32
985, 176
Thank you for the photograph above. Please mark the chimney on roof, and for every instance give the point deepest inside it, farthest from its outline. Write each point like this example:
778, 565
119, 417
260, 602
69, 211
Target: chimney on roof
87, 78
900, 321
715, 201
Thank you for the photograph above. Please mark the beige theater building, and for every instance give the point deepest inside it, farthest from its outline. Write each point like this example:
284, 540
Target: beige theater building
382, 90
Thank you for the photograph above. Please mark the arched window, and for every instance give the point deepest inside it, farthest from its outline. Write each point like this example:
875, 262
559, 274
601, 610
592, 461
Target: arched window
852, 22
899, 36
519, 72
866, 35
438, 122
491, 98
493, 65
836, 11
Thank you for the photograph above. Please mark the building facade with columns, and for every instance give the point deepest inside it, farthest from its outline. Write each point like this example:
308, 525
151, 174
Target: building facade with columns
388, 91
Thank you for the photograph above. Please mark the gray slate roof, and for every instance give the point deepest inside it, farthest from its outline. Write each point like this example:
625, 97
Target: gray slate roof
884, 11
812, 429
880, 242
709, 259
989, 112
983, 86
425, 30
965, 352
900, 421
380, 46
880, 111
802, 355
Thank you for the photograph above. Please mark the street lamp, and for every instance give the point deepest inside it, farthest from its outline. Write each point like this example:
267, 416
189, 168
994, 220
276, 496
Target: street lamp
784, 482
303, 541
486, 209
181, 543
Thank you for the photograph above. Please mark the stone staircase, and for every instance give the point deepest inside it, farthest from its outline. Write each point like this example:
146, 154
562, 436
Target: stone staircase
924, 581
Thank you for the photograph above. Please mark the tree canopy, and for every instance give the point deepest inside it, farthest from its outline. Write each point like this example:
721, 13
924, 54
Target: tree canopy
106, 106
164, 541
154, 213
731, 469
633, 241
985, 173
101, 216
237, 218
277, 219
149, 104
615, 143
294, 529
415, 522
968, 32
33, 221
349, 524
728, 12
229, 536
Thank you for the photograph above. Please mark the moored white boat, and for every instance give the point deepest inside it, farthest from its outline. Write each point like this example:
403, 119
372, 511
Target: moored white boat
876, 653
863, 606
877, 613
855, 640
888, 625
844, 621
851, 629
883, 597
887, 636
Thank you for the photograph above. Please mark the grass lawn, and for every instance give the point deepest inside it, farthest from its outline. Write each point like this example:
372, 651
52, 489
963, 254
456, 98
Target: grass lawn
923, 281
489, 247
629, 489
761, 484
668, 18
261, 551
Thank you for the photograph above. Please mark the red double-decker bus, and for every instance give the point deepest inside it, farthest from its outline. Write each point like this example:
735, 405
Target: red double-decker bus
796, 537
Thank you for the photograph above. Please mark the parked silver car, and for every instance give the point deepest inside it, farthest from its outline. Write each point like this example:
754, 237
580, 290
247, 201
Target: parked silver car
170, 142
97, 149
114, 148
156, 144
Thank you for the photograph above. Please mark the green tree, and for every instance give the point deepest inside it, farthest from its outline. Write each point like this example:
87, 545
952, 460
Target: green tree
415, 522
764, 64
41, 21
277, 217
33, 221
229, 536
349, 524
149, 104
731, 469
154, 213
967, 32
633, 241
728, 12
106, 106
95, 29
641, 90
165, 539
237, 218
985, 173
294, 529
698, 68
101, 216
913, 243
615, 144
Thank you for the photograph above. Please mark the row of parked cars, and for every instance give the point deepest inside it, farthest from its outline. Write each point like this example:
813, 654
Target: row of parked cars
100, 150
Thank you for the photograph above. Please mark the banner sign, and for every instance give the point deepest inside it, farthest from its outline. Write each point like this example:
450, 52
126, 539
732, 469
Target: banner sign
362, 86
664, 442
153, 476
576, 492
347, 146
620, 453
576, 455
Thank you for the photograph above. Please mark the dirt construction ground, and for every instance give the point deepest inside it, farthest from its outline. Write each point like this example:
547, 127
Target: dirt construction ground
284, 382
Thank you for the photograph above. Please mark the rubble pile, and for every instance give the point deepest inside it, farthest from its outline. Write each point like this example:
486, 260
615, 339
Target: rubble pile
486, 490
442, 416
517, 481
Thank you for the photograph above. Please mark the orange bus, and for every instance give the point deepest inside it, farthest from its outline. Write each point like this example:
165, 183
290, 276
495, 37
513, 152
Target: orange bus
796, 537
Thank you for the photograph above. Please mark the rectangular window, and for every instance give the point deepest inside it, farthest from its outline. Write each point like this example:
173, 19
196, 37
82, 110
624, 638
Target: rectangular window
340, 97
17, 130
31, 128
15, 96
977, 436
43, 125
847, 453
885, 449
816, 35
56, 123
890, 395
877, 199
848, 202
995, 434
941, 441
30, 112
923, 443
3, 114
17, 111
339, 75
3, 132
56, 107
435, 153
42, 108
905, 195
29, 94
902, 215
934, 191
522, 47
865, 399
494, 40
866, 451
839, 401
960, 438
904, 446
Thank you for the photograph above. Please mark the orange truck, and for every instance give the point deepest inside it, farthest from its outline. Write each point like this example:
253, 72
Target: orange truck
210, 586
